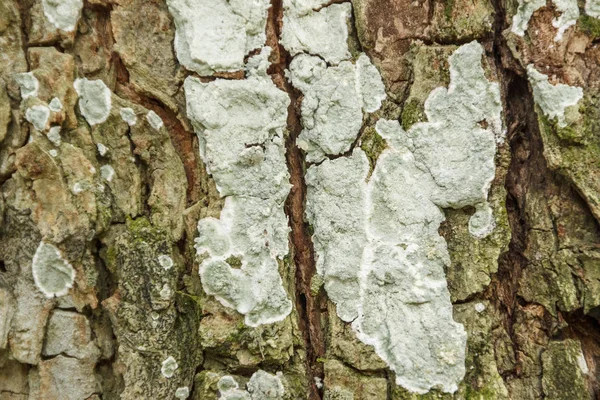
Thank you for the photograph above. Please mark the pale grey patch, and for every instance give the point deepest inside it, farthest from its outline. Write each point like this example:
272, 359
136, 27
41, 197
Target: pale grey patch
553, 99
240, 126
323, 33
334, 101
63, 14
38, 116
215, 35
94, 100
52, 274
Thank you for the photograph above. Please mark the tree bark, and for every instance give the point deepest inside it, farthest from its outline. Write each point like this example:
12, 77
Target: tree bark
107, 167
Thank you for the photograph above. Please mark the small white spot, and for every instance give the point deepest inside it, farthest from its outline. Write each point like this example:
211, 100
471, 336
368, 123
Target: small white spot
54, 135
102, 149
128, 115
166, 293
582, 364
165, 261
107, 172
53, 152
78, 187
319, 382
55, 104
479, 307
169, 366
182, 393
154, 120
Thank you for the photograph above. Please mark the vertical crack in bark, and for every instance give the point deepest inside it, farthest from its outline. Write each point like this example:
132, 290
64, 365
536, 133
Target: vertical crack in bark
308, 305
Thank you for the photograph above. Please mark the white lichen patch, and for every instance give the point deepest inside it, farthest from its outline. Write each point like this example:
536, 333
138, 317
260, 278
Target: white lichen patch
168, 367
28, 84
323, 33
568, 10
480, 307
553, 99
569, 13
107, 172
334, 101
63, 14
53, 152
102, 149
524, 12
94, 100
128, 115
154, 120
262, 386
55, 104
53, 135
380, 239
182, 393
215, 35
52, 274
240, 126
165, 261
38, 116
592, 8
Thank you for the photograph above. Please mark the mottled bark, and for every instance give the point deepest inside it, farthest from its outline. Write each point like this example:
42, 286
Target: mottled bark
100, 288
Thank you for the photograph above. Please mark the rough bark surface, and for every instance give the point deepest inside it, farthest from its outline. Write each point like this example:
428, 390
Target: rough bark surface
120, 203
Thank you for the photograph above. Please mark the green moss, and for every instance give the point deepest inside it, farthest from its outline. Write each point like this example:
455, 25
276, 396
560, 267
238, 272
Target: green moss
412, 113
373, 145
234, 262
589, 25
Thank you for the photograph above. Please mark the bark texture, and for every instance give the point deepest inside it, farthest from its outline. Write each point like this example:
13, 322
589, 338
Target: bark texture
120, 201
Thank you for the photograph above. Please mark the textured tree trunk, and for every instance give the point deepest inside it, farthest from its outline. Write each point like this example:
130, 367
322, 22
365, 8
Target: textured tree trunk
440, 240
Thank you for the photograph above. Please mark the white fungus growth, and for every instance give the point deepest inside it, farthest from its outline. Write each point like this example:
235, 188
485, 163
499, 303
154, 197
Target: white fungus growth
323, 33
568, 9
53, 135
380, 239
52, 274
165, 261
168, 367
215, 35
63, 14
38, 116
55, 104
107, 172
553, 99
94, 100
480, 307
128, 115
182, 393
102, 149
240, 126
262, 386
154, 120
28, 84
334, 101
592, 8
